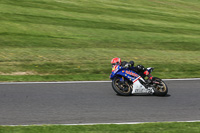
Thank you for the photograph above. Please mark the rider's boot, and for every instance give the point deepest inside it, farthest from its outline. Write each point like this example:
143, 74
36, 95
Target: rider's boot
149, 80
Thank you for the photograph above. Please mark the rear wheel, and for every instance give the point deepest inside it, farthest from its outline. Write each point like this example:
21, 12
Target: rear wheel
160, 87
123, 88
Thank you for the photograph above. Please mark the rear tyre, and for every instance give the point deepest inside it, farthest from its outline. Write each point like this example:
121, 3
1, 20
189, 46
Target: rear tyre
123, 88
160, 87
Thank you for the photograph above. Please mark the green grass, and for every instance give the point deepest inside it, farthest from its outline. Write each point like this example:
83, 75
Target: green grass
58, 40
174, 127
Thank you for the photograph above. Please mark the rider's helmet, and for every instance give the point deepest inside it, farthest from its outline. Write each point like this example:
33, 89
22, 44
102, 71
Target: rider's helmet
116, 61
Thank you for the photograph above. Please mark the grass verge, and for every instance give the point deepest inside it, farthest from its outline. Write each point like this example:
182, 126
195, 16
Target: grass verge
169, 127
57, 40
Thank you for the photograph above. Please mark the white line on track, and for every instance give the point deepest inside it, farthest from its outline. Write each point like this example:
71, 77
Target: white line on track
59, 82
122, 123
80, 82
181, 79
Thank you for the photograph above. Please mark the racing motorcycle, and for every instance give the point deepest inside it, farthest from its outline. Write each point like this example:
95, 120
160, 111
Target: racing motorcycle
126, 81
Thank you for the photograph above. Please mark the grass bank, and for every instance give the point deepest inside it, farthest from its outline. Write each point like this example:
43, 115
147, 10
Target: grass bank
56, 40
174, 127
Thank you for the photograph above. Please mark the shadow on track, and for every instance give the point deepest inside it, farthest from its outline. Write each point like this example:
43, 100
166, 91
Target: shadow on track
168, 95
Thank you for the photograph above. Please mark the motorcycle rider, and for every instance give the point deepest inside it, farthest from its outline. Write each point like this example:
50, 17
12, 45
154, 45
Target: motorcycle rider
140, 69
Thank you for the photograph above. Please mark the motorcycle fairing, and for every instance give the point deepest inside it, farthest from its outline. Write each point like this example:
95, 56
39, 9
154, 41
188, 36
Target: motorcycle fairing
138, 88
124, 72
150, 69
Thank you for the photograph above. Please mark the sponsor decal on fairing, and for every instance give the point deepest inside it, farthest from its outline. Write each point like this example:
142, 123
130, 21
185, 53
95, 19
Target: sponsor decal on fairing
132, 74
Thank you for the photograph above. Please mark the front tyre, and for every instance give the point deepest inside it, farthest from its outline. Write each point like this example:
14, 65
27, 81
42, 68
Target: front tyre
123, 88
160, 87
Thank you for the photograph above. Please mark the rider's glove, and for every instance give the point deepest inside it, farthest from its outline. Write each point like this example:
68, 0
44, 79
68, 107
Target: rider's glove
146, 73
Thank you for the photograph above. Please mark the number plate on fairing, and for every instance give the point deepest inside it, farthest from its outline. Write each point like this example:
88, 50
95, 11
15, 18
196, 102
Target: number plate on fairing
141, 91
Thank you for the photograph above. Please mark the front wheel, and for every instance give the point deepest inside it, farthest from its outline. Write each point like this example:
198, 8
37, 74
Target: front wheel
160, 87
123, 88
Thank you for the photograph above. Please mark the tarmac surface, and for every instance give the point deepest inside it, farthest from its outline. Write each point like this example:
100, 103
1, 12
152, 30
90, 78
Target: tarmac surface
95, 102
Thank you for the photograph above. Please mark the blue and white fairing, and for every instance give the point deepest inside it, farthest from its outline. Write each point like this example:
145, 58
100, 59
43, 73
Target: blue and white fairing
124, 72
127, 74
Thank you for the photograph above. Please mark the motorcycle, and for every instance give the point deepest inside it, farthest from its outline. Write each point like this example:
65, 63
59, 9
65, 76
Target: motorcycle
126, 81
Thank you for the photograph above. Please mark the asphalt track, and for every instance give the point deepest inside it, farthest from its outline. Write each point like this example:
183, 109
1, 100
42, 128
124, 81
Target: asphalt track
94, 102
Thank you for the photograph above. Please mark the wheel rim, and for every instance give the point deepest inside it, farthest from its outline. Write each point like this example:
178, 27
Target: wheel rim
162, 88
124, 88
